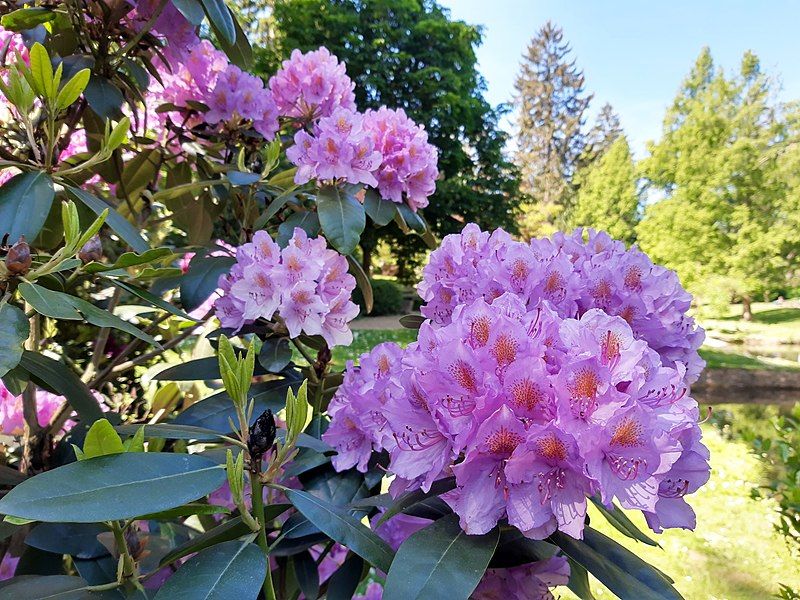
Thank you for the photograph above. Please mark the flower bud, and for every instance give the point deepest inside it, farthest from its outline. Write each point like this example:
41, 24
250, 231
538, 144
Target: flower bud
92, 250
262, 435
18, 259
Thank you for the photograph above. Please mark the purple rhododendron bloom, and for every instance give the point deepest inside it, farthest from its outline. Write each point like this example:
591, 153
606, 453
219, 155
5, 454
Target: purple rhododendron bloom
531, 384
306, 283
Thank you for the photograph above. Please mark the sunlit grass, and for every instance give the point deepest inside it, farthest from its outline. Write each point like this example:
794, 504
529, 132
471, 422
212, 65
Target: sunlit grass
771, 324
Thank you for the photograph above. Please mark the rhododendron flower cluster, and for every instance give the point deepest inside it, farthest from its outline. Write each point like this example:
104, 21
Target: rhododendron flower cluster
340, 149
409, 161
12, 421
573, 275
311, 86
533, 399
306, 283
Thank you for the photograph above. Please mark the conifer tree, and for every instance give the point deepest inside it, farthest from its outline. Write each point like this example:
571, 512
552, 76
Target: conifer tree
550, 102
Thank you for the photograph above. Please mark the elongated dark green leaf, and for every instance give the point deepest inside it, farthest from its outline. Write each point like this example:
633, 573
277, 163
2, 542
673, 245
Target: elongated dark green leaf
109, 488
410, 218
412, 321
14, 330
140, 171
193, 508
224, 532
342, 218
225, 571
514, 549
344, 582
58, 378
152, 299
620, 521
98, 571
48, 302
9, 476
201, 279
579, 581
379, 210
51, 587
341, 526
104, 98
621, 571
25, 202
76, 539
306, 220
170, 431
103, 318
410, 498
191, 9
116, 221
214, 412
440, 561
275, 354
130, 259
240, 52
222, 19
305, 570
363, 282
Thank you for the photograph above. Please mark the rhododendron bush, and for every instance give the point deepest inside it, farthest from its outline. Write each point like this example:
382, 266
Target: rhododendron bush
177, 242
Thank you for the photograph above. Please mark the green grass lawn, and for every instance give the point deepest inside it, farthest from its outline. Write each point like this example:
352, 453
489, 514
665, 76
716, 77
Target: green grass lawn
771, 324
721, 359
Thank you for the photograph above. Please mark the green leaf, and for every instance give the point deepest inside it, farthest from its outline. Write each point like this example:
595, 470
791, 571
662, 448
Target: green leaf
201, 279
410, 218
363, 282
343, 584
79, 540
412, 321
344, 528
620, 521
239, 52
27, 18
104, 98
9, 476
49, 303
440, 561
41, 70
221, 18
52, 587
342, 218
306, 220
102, 440
110, 488
379, 210
130, 259
224, 532
116, 221
152, 299
409, 499
275, 354
187, 510
169, 431
307, 574
58, 378
140, 171
191, 9
14, 330
25, 202
621, 571
103, 318
579, 581
72, 89
228, 570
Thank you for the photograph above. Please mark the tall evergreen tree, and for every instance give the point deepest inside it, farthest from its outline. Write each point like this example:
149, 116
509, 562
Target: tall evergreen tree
606, 130
722, 223
411, 54
607, 198
550, 102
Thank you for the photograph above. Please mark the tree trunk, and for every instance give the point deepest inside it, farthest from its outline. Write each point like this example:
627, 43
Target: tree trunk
747, 310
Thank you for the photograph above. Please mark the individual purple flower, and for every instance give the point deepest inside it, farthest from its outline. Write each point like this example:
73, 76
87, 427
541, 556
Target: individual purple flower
408, 169
311, 86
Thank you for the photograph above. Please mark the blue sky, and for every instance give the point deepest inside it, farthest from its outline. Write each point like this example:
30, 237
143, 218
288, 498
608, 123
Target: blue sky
634, 54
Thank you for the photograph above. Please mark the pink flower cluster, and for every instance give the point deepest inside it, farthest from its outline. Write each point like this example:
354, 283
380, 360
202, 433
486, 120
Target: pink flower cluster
340, 149
311, 86
531, 409
573, 275
409, 161
306, 283
11, 419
